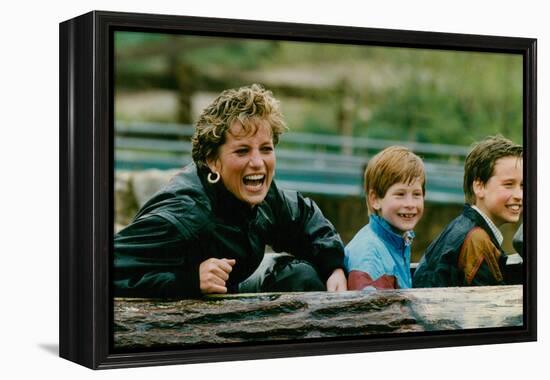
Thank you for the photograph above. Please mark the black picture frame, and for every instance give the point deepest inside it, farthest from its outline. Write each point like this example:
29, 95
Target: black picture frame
86, 184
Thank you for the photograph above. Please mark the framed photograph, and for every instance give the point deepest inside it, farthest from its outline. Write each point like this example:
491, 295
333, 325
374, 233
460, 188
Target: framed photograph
138, 93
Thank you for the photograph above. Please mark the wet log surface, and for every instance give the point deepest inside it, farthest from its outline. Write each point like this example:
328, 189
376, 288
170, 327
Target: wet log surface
142, 323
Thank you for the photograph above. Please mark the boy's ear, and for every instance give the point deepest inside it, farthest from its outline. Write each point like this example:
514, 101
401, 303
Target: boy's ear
373, 201
479, 189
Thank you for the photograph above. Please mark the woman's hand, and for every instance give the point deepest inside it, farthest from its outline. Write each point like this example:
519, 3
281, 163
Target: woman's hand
213, 273
337, 281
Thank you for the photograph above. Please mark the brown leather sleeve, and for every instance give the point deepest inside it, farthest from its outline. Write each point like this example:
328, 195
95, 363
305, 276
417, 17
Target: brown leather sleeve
358, 280
476, 250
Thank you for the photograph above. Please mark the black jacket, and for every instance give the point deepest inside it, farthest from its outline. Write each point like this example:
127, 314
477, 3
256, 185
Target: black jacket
190, 220
439, 267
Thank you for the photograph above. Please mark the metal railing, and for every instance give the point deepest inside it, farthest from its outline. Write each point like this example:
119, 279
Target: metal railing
307, 162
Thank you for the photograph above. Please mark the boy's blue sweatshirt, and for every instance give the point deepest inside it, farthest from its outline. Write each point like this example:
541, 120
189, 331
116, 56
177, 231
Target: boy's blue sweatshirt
378, 250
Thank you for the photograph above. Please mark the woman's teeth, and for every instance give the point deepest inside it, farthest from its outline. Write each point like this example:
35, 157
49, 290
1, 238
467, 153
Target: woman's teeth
255, 179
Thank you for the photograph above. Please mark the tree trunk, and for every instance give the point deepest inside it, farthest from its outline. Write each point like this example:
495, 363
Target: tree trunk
142, 323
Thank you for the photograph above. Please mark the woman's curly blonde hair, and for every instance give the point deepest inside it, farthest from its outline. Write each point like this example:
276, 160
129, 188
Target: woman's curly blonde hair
247, 105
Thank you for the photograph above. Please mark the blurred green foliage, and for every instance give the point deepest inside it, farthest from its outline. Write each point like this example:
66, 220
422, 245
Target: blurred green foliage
423, 95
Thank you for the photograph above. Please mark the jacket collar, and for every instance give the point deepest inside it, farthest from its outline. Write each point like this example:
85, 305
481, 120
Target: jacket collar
478, 219
224, 203
389, 234
494, 229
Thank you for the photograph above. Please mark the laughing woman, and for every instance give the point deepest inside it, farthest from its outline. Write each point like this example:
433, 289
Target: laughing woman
207, 230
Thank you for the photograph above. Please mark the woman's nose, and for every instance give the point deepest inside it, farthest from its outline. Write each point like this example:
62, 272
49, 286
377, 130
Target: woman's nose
255, 159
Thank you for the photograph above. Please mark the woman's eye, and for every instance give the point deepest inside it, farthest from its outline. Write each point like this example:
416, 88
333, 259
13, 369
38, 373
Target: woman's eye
267, 149
241, 152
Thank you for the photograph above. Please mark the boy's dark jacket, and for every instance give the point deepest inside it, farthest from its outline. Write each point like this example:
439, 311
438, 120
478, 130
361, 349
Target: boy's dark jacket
439, 267
190, 220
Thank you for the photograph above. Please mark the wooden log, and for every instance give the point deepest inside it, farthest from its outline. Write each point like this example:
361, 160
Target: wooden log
145, 323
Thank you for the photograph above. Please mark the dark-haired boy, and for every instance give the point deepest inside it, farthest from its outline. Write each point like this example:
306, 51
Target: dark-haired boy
468, 251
